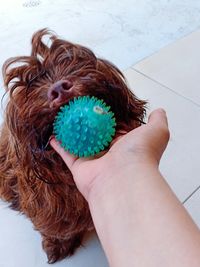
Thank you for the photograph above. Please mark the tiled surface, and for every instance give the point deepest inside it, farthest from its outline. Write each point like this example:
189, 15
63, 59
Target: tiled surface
180, 164
20, 245
123, 31
193, 206
177, 66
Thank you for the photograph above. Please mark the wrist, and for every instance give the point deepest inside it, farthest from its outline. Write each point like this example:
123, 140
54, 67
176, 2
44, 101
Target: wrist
113, 202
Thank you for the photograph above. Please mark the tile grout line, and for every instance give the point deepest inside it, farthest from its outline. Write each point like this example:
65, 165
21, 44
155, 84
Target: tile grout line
196, 104
191, 194
180, 95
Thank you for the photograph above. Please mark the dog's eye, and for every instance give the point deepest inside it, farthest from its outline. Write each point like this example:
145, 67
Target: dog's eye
35, 77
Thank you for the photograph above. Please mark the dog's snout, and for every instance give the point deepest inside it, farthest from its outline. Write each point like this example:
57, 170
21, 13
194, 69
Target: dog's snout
59, 91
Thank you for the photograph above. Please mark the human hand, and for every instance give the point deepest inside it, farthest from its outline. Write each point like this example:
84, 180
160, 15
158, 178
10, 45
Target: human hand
143, 145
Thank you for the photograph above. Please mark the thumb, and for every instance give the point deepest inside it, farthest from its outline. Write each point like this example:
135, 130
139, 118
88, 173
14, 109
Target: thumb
65, 155
158, 117
158, 127
159, 124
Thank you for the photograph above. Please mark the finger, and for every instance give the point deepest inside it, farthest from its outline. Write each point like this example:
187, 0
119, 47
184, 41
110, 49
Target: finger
159, 127
65, 155
158, 117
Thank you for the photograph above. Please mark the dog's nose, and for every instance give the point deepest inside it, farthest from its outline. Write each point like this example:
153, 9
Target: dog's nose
58, 92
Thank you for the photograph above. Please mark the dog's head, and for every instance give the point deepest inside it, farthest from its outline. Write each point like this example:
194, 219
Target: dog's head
55, 72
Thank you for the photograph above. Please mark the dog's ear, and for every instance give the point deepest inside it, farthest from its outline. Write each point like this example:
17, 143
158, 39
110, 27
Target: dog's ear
18, 71
41, 42
21, 71
129, 110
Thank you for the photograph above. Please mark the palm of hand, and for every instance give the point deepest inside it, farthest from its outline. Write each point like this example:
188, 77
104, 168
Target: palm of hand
143, 144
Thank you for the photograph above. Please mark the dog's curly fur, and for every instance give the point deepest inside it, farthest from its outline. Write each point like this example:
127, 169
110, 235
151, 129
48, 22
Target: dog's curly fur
33, 178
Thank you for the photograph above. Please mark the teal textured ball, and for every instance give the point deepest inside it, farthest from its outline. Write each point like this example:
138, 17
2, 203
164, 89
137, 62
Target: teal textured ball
85, 126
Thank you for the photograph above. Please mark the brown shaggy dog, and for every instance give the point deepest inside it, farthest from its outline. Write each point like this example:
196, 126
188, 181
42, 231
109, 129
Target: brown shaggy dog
33, 178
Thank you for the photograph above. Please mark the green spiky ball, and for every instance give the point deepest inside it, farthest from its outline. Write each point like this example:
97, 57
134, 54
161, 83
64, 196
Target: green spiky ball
85, 126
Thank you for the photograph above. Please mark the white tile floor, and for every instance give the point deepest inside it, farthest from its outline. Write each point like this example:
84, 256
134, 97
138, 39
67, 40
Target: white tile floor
174, 70
177, 67
180, 162
193, 206
20, 245
124, 32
